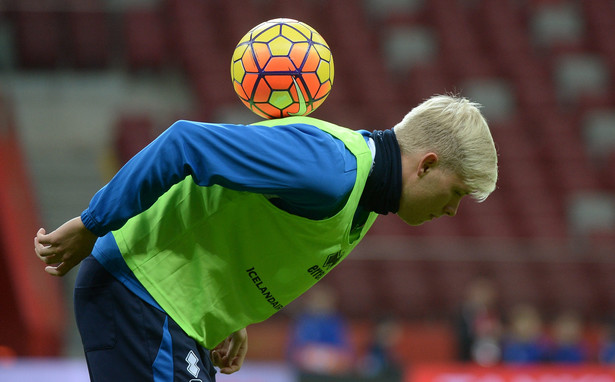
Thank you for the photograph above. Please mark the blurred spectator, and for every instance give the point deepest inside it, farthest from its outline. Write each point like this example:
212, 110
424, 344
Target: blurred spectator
319, 339
607, 347
479, 324
568, 345
381, 359
524, 341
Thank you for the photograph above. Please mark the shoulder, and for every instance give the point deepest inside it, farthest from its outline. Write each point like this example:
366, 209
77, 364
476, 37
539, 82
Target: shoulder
295, 154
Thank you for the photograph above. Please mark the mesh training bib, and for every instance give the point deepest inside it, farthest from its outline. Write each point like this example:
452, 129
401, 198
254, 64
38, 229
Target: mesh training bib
217, 260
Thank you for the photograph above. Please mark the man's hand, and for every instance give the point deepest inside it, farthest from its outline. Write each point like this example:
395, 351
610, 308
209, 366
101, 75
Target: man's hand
230, 353
65, 247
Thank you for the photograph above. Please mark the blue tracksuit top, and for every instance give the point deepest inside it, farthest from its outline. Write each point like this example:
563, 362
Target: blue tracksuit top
305, 170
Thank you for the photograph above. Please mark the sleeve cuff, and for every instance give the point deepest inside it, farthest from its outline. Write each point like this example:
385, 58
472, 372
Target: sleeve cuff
91, 224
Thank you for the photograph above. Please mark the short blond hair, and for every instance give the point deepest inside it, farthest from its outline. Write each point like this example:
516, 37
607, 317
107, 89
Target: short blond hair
453, 128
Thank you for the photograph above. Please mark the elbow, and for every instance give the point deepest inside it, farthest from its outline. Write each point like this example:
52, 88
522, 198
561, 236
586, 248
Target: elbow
180, 133
180, 126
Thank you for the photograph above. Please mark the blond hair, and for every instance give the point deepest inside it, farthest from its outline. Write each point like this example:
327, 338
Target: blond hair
453, 128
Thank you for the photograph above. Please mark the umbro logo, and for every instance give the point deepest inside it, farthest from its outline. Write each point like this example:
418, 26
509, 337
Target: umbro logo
332, 260
317, 272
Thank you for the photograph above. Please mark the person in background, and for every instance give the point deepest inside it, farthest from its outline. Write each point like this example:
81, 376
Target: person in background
319, 338
606, 352
479, 324
381, 360
524, 340
568, 345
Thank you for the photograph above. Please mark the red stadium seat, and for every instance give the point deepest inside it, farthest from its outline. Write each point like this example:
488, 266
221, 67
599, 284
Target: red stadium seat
38, 35
450, 279
602, 275
535, 93
513, 141
390, 225
405, 288
488, 219
237, 17
355, 284
460, 47
558, 137
132, 133
89, 34
191, 29
423, 82
506, 39
301, 10
567, 286
518, 282
569, 165
600, 24
146, 39
534, 203
443, 227
608, 172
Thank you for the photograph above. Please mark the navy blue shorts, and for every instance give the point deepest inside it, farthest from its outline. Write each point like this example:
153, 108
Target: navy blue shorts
127, 339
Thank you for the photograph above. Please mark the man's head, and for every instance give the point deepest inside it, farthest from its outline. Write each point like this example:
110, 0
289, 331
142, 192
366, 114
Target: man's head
447, 153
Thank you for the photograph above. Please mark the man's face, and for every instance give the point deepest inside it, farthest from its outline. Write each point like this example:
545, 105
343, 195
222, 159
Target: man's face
428, 191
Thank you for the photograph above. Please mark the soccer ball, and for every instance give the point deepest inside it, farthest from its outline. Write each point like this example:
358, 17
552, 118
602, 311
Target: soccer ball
282, 68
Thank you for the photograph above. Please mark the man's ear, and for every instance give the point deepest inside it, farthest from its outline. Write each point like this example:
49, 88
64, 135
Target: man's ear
427, 163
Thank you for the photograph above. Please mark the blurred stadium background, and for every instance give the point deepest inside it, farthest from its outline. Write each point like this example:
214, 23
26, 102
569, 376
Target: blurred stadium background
84, 84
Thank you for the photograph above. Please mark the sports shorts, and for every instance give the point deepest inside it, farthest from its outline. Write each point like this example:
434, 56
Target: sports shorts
127, 339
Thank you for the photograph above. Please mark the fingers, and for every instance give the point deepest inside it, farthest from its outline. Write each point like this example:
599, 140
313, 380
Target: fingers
239, 342
230, 369
227, 365
42, 243
50, 254
216, 358
65, 247
62, 268
42, 236
235, 363
59, 264
223, 362
218, 354
44, 240
59, 269
229, 358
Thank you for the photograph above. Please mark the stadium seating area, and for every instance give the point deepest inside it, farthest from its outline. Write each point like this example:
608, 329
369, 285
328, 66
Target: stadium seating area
543, 73
543, 69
